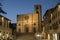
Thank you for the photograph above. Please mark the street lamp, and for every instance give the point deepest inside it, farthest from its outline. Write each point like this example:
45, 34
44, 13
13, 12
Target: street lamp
38, 36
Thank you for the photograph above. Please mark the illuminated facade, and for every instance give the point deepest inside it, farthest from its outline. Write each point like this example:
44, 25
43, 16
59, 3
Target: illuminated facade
52, 23
29, 22
5, 31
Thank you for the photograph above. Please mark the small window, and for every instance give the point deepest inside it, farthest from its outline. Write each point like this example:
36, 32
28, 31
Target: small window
19, 24
34, 24
37, 11
37, 7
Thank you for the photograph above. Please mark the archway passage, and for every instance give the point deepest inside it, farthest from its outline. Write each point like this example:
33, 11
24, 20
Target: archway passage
34, 29
26, 28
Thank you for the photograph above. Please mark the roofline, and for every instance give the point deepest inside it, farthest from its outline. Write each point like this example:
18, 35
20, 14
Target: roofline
5, 17
24, 14
52, 9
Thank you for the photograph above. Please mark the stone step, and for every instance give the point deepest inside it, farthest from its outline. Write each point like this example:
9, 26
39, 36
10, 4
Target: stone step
26, 36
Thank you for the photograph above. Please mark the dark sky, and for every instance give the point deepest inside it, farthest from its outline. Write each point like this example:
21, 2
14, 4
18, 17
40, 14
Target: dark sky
14, 7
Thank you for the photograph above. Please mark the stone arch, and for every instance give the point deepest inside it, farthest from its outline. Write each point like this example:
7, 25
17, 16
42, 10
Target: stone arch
34, 29
26, 28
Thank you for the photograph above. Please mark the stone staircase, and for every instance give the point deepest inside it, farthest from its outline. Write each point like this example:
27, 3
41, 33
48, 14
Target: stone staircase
25, 36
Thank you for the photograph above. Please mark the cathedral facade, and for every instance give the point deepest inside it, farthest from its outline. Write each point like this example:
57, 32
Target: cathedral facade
30, 22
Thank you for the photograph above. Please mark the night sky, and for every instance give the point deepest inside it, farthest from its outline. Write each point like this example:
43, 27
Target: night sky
14, 7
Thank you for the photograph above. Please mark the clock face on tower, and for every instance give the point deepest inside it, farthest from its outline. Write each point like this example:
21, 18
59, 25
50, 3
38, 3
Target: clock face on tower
26, 17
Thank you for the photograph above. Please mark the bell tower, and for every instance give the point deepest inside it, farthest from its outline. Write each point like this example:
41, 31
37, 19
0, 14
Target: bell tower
37, 10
